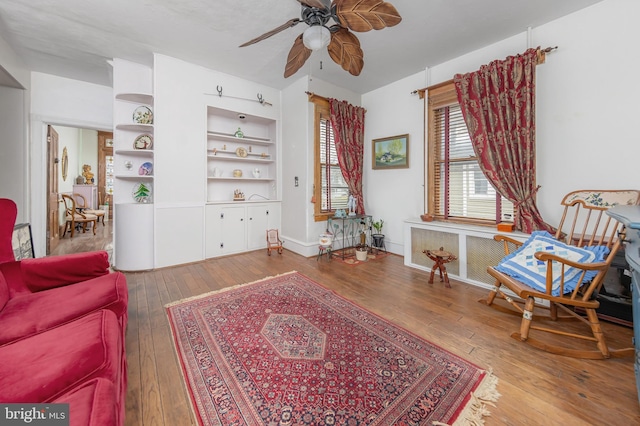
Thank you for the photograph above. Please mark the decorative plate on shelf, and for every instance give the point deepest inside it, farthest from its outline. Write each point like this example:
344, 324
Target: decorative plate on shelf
143, 142
141, 193
143, 115
241, 152
146, 169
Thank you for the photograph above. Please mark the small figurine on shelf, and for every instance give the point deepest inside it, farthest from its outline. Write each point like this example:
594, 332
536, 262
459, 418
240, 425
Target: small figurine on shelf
238, 133
238, 195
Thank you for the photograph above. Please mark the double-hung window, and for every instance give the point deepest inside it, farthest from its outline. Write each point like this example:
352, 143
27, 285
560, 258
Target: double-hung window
330, 189
457, 188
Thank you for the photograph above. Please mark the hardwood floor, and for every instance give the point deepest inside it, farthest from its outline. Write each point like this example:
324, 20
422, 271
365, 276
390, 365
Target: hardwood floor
537, 388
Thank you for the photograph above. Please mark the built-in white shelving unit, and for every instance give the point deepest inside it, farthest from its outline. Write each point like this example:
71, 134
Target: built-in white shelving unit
242, 172
133, 167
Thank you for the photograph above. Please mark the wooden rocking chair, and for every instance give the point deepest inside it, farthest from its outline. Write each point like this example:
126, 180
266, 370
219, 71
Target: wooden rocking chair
556, 270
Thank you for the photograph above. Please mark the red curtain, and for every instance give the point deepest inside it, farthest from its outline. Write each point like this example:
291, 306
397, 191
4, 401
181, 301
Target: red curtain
348, 131
498, 105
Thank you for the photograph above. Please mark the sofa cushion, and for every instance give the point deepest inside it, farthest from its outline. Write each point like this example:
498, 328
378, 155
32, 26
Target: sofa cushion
30, 313
523, 265
93, 403
47, 365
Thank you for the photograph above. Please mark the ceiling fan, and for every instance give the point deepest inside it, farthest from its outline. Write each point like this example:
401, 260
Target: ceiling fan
343, 46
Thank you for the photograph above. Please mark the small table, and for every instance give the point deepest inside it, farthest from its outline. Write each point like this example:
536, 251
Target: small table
440, 257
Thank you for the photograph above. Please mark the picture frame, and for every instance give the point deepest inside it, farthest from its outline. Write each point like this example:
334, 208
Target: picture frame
390, 153
22, 242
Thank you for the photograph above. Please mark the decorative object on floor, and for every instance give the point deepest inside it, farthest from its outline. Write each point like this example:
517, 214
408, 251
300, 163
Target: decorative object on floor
390, 153
378, 237
350, 258
143, 115
22, 242
361, 252
273, 241
567, 270
440, 257
285, 350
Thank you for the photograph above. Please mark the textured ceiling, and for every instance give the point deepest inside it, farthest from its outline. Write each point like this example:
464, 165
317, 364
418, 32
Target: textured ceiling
75, 38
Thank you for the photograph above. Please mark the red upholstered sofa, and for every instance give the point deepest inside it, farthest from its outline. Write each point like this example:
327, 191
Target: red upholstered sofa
62, 331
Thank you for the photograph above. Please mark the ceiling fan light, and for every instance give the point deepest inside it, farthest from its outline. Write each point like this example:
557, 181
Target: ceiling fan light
316, 37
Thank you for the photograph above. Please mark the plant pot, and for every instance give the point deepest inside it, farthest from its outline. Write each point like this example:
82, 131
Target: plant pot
361, 254
378, 240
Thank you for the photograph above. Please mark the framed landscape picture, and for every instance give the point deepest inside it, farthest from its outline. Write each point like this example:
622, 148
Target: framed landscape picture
390, 153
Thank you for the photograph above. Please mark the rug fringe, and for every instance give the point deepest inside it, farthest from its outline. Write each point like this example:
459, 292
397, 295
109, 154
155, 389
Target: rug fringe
476, 409
199, 296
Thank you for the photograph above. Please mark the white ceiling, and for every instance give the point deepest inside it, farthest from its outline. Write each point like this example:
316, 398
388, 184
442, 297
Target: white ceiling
75, 38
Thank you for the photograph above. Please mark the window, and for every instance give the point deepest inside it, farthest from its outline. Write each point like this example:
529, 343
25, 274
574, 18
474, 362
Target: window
458, 190
330, 190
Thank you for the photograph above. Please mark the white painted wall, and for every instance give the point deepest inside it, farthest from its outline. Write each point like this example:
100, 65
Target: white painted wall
14, 131
70, 138
182, 92
586, 107
66, 102
14, 152
299, 228
394, 195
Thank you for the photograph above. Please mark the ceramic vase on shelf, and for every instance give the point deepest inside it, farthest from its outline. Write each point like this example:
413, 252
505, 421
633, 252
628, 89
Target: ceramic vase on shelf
238, 133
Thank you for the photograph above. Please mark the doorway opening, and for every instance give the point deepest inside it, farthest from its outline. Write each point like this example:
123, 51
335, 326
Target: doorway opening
80, 161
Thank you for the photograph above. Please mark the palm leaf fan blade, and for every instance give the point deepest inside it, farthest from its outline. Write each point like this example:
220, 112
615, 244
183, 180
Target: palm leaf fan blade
366, 15
345, 51
298, 55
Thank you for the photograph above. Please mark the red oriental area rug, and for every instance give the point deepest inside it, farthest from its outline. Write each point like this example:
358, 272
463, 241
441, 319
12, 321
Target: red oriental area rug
287, 351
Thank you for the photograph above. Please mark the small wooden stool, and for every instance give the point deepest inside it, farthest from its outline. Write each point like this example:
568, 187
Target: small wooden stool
440, 257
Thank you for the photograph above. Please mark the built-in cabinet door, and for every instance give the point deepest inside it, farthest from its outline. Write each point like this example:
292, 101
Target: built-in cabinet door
259, 219
233, 233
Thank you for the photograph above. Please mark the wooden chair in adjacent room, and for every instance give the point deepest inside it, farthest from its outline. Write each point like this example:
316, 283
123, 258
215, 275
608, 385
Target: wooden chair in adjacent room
74, 217
565, 272
83, 207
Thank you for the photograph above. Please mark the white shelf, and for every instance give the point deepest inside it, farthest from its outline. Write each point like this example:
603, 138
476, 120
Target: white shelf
141, 98
265, 160
135, 152
145, 178
228, 137
240, 178
148, 128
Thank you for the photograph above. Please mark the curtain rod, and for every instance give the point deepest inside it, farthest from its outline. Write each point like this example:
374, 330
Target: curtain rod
541, 58
313, 96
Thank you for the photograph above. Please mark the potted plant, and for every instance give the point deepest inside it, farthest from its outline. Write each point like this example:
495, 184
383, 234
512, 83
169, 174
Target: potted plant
378, 237
361, 252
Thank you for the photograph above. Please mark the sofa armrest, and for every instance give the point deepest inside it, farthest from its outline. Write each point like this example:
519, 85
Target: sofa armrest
56, 271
